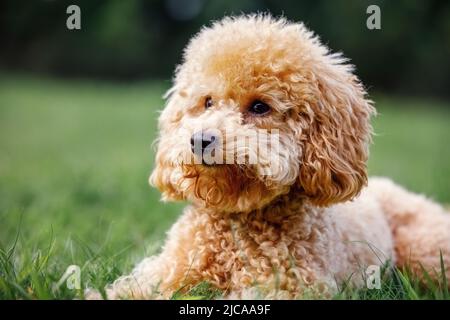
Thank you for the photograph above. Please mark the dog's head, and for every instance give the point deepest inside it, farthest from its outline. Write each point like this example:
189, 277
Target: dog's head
256, 75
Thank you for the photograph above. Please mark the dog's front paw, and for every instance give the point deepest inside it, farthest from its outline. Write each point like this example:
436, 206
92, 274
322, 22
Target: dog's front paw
92, 294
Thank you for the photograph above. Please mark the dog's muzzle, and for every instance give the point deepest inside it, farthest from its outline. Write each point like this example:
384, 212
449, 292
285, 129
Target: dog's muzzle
203, 140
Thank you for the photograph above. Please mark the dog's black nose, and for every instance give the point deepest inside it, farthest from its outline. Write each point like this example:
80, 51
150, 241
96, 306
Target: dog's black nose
202, 140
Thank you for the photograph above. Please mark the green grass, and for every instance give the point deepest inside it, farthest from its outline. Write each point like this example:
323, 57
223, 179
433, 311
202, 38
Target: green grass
74, 161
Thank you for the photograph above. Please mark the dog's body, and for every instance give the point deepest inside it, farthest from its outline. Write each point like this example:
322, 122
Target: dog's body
291, 250
307, 227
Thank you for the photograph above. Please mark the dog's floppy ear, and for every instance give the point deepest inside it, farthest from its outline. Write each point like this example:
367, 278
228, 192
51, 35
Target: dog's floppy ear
164, 175
335, 136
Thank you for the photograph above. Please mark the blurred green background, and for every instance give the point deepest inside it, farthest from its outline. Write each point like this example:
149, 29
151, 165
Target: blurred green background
78, 114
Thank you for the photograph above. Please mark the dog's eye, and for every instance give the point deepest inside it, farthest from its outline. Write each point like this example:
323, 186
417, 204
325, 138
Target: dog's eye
208, 102
259, 108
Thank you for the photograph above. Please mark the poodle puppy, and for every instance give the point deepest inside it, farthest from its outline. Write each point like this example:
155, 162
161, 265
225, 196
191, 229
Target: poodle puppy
295, 221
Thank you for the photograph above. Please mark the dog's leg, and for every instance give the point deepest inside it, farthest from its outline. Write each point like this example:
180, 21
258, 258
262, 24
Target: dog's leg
144, 282
158, 277
421, 228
